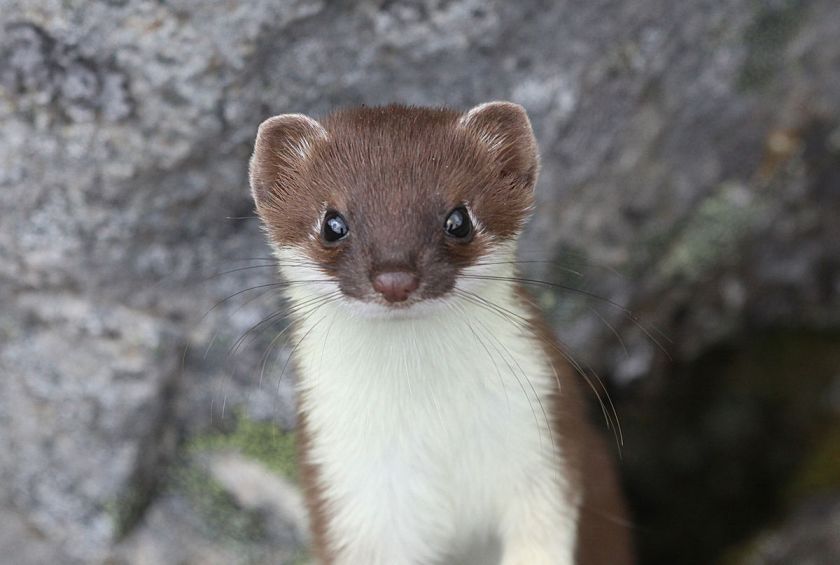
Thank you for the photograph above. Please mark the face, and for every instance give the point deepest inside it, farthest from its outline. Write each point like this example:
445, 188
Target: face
389, 207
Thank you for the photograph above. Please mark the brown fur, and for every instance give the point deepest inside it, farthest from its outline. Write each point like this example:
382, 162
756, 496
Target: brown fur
313, 494
604, 530
394, 173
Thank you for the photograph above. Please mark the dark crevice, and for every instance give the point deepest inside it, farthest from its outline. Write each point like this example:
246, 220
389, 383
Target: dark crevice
155, 456
714, 449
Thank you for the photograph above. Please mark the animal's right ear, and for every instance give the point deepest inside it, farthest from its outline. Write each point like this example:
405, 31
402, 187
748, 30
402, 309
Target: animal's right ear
283, 143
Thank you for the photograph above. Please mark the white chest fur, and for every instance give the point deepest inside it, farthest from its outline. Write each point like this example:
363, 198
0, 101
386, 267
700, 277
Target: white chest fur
431, 434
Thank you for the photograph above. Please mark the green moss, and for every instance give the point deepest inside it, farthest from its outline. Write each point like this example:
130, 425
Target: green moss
301, 558
221, 516
220, 513
568, 265
262, 441
765, 40
820, 471
125, 510
571, 269
712, 234
745, 431
741, 554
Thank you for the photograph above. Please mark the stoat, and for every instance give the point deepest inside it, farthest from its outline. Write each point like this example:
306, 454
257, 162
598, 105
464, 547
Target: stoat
440, 421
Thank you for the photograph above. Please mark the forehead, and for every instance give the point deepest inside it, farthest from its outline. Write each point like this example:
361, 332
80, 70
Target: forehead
397, 157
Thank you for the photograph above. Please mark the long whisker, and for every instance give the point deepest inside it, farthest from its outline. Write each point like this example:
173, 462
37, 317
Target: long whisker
486, 334
586, 262
279, 284
271, 318
318, 301
612, 420
626, 311
612, 329
262, 289
230, 375
292, 352
466, 318
510, 369
518, 262
276, 260
238, 269
530, 384
266, 356
267, 353
272, 261
523, 323
267, 288
215, 335
324, 344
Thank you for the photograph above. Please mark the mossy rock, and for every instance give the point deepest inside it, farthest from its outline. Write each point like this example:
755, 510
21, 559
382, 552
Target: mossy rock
820, 470
262, 441
730, 444
221, 517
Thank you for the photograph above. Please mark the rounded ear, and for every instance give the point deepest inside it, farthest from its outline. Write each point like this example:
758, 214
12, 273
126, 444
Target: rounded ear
282, 143
504, 128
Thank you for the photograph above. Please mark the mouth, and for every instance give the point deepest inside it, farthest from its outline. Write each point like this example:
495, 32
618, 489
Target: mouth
378, 307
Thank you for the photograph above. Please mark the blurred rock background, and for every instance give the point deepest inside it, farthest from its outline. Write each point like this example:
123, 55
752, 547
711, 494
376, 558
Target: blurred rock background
691, 173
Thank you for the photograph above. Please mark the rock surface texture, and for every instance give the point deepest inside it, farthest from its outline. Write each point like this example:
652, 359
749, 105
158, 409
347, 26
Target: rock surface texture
691, 173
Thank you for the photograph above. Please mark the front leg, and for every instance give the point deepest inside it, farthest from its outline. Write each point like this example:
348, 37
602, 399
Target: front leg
366, 531
539, 527
372, 552
386, 522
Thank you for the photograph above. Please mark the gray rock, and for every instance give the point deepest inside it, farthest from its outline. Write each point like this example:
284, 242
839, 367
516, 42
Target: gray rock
20, 539
690, 174
84, 398
171, 533
221, 507
808, 537
253, 486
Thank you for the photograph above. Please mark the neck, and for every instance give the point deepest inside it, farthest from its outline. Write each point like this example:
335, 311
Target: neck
402, 415
471, 345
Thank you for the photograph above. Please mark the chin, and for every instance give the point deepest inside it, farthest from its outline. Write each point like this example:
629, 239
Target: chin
412, 309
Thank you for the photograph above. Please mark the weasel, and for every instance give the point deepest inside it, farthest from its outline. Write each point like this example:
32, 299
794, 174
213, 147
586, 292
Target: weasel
439, 420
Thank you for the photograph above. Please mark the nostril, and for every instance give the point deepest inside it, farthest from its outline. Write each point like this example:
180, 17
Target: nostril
395, 286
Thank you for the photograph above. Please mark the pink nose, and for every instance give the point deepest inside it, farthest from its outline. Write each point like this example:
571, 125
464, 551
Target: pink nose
395, 286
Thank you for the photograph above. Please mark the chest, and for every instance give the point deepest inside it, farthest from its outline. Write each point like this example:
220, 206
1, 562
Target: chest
425, 424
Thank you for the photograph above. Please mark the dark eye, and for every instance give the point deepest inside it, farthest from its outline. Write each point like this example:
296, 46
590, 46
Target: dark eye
335, 227
458, 223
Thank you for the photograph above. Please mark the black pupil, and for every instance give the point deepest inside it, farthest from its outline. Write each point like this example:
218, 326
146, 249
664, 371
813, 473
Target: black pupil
334, 227
458, 223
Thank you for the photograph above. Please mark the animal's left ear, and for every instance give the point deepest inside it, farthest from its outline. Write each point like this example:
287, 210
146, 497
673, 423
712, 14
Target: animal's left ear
505, 129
